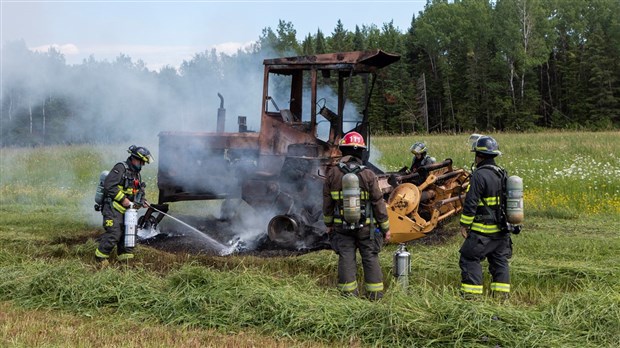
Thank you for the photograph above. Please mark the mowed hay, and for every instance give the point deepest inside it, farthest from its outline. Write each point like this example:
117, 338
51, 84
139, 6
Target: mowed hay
565, 269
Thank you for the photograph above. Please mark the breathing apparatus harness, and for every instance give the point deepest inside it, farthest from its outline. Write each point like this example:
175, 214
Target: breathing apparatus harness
134, 184
503, 215
353, 214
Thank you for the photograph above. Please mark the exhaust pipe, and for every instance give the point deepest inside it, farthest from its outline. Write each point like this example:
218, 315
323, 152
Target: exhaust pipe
221, 115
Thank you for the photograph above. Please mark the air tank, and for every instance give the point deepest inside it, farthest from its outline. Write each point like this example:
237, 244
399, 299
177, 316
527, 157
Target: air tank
351, 198
514, 200
99, 191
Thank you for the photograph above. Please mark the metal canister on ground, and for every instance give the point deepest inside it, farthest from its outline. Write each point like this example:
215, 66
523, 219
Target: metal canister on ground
402, 265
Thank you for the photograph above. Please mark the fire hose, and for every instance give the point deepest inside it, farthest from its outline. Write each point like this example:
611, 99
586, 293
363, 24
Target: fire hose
172, 217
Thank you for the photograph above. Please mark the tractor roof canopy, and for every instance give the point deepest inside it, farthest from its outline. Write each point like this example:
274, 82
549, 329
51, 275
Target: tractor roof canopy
359, 61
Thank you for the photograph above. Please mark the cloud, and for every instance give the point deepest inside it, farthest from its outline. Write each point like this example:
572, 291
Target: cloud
154, 56
231, 48
66, 49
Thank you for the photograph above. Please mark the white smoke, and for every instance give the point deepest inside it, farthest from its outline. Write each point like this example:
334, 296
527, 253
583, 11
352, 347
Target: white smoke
47, 101
122, 103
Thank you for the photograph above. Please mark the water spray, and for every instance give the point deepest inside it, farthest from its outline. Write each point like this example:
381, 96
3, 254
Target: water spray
223, 249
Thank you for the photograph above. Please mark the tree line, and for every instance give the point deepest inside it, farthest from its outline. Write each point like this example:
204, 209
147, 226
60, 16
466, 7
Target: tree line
468, 65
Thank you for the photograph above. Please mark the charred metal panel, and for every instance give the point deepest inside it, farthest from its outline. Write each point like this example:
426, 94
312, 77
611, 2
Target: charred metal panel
275, 139
198, 165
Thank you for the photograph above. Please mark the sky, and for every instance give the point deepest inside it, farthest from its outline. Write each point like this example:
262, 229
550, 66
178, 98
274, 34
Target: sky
164, 33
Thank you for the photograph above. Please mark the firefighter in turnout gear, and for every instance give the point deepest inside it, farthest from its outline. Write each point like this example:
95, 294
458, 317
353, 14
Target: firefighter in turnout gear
123, 187
355, 221
420, 156
482, 225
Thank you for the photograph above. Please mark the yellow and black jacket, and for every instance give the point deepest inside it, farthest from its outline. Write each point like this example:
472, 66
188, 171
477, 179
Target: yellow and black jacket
481, 209
370, 193
122, 182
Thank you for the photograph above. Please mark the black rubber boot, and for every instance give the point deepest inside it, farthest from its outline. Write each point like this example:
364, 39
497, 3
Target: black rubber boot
374, 295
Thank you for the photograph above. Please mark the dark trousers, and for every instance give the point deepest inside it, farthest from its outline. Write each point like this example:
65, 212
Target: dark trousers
478, 247
113, 223
346, 243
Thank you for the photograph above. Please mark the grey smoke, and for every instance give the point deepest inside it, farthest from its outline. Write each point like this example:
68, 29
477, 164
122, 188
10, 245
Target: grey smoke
122, 103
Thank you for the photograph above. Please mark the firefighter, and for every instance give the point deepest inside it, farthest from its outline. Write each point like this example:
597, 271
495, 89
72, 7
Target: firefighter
481, 225
420, 156
366, 233
123, 187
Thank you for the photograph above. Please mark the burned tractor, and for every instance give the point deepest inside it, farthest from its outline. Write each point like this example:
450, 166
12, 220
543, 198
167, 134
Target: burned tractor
277, 173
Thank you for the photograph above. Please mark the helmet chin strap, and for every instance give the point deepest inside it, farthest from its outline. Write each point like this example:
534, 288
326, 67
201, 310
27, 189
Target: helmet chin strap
474, 165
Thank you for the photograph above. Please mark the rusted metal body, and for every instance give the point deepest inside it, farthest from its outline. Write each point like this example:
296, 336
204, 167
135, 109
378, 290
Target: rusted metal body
278, 171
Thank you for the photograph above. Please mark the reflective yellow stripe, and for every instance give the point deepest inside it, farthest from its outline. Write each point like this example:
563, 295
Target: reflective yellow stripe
482, 228
100, 254
501, 287
347, 286
126, 256
142, 158
471, 289
466, 219
328, 219
119, 207
491, 201
385, 225
374, 287
336, 195
367, 222
120, 195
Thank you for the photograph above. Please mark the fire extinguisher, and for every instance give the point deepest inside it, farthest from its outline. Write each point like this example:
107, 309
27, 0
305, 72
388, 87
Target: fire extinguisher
402, 265
131, 223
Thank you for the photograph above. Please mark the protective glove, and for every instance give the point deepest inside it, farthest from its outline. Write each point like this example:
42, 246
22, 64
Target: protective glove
463, 231
388, 235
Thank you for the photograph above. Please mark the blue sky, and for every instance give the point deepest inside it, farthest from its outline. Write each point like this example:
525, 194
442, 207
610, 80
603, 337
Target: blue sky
168, 32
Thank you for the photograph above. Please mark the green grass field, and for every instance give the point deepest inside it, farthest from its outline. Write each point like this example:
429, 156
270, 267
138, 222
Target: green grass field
565, 270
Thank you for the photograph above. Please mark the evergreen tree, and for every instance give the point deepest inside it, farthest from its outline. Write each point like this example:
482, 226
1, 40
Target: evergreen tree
321, 44
308, 45
339, 41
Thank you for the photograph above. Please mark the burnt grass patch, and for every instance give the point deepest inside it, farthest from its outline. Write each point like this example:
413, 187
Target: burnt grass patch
178, 240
